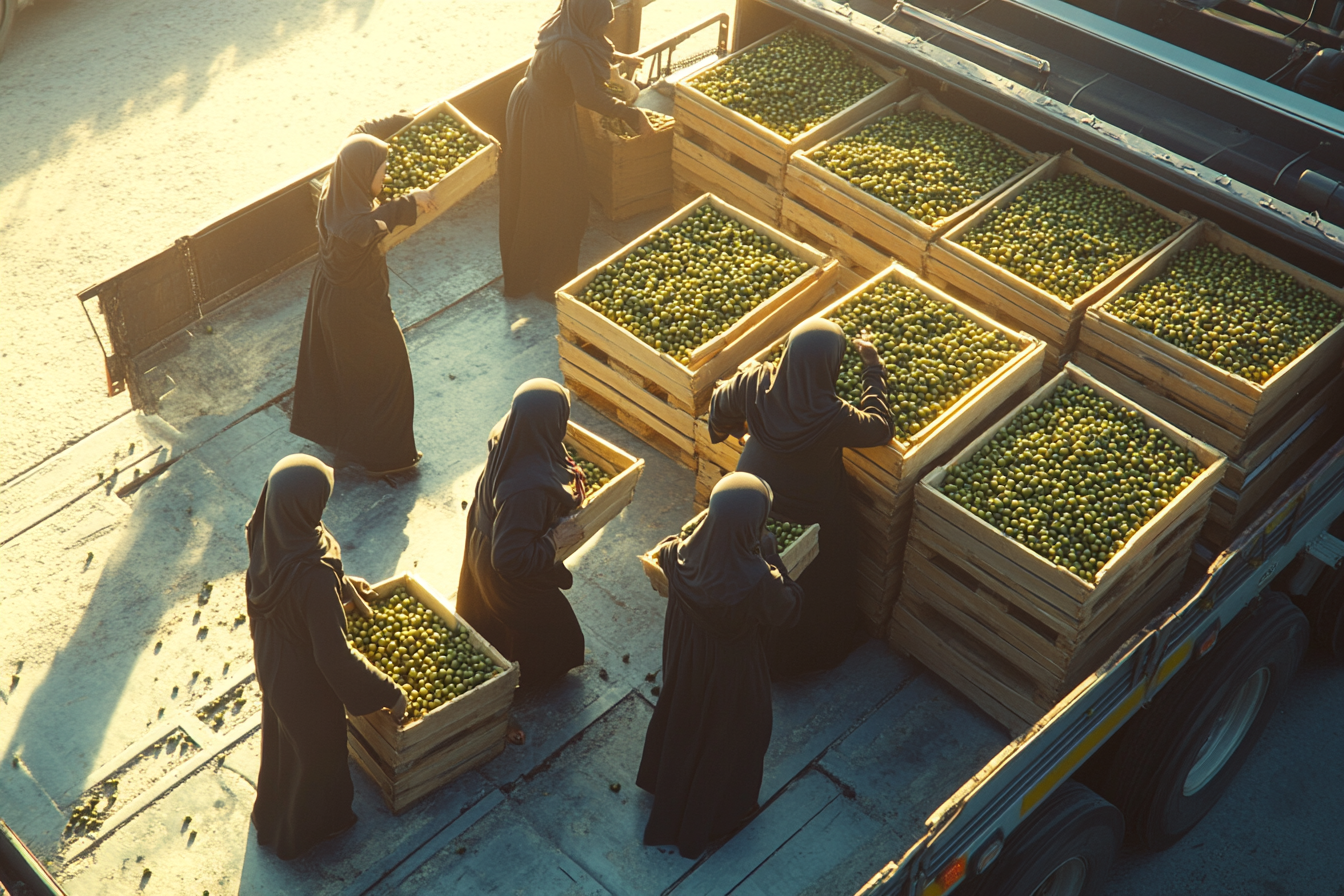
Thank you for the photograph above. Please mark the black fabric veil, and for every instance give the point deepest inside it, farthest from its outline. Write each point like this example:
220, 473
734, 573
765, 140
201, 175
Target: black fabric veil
526, 447
720, 562
345, 209
797, 402
286, 534
582, 22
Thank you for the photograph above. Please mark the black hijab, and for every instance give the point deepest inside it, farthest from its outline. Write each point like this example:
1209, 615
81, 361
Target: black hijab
527, 449
345, 209
583, 22
720, 562
285, 535
795, 402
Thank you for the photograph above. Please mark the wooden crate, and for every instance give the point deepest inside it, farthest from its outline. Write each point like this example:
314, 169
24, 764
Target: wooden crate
962, 568
818, 198
470, 173
606, 503
1055, 320
1230, 402
627, 175
796, 556
410, 760
649, 392
718, 150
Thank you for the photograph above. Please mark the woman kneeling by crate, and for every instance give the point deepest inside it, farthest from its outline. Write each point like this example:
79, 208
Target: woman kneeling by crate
543, 184
794, 427
704, 753
510, 587
308, 672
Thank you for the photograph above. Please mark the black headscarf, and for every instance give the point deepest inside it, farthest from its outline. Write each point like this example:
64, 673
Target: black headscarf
583, 22
286, 535
720, 562
796, 401
527, 449
345, 209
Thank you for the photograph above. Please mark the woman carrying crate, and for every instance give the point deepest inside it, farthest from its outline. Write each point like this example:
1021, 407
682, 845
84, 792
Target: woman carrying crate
353, 392
794, 427
510, 586
543, 184
308, 673
704, 753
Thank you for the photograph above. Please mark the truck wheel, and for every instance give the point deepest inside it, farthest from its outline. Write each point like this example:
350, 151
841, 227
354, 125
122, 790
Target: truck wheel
1065, 848
8, 10
1179, 754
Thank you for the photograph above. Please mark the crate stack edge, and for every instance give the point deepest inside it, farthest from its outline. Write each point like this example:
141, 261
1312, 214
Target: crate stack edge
1012, 630
627, 175
607, 503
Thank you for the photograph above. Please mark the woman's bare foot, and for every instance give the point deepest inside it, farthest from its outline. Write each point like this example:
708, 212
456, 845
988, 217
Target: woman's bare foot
515, 735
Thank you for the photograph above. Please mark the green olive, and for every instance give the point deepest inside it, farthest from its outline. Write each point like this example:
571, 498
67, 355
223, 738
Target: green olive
594, 477
422, 155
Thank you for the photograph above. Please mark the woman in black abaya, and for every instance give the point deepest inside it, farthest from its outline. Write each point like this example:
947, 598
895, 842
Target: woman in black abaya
353, 392
543, 187
308, 673
704, 753
795, 427
510, 586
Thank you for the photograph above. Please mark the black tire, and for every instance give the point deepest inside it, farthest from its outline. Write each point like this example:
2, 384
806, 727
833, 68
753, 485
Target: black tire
1065, 848
8, 10
1179, 755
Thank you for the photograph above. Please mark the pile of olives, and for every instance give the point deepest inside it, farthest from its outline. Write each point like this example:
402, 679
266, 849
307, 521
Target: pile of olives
692, 281
1068, 234
785, 533
925, 165
790, 84
1073, 479
623, 130
423, 154
429, 661
1231, 311
594, 477
933, 353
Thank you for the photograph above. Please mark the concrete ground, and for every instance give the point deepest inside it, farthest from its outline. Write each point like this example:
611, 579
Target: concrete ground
123, 123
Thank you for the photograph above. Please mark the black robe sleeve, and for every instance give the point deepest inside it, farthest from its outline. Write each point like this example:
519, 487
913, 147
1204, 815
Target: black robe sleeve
383, 128
397, 212
870, 424
520, 545
588, 90
728, 408
778, 599
361, 687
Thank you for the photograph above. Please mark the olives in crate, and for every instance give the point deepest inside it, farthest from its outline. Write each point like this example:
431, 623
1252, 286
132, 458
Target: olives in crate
1068, 234
790, 84
691, 281
1073, 479
423, 154
428, 659
618, 127
785, 533
1230, 310
927, 166
594, 477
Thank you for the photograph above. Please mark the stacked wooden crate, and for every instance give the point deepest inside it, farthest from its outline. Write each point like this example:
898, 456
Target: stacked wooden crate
1021, 304
1012, 630
856, 227
605, 504
797, 556
411, 760
1265, 429
647, 391
882, 479
627, 175
720, 151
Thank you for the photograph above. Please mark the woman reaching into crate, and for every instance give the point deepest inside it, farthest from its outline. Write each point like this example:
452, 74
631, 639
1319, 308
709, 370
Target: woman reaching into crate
543, 185
510, 586
308, 673
794, 427
704, 753
353, 392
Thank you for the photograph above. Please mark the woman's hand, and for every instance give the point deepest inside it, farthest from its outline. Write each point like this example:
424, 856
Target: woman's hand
355, 590
398, 709
424, 201
627, 62
642, 126
867, 352
566, 533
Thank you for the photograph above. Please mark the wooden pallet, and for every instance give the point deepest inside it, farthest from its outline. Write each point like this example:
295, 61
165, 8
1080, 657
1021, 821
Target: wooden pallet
1050, 318
408, 760
646, 390
864, 218
604, 505
627, 175
721, 151
836, 238
797, 556
1227, 400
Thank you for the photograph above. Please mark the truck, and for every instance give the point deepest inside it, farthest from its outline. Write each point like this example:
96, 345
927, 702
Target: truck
1148, 743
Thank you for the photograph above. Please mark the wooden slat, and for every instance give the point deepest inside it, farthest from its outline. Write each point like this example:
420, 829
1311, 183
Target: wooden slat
628, 414
832, 238
607, 502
